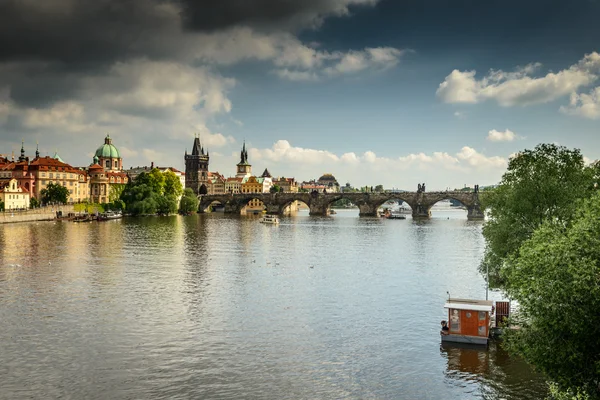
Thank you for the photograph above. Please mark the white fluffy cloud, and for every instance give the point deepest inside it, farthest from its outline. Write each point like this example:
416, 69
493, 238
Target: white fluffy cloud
584, 105
475, 159
439, 169
498, 136
518, 88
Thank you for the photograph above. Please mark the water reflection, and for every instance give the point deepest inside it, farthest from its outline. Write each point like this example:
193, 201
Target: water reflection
490, 372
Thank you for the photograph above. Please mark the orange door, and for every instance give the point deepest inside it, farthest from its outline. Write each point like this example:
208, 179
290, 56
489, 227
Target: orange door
469, 321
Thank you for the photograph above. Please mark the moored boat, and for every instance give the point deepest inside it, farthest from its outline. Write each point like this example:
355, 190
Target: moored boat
468, 321
109, 215
269, 219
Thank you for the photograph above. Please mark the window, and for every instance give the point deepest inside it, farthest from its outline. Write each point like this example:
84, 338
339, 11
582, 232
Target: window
51, 175
481, 331
454, 320
107, 163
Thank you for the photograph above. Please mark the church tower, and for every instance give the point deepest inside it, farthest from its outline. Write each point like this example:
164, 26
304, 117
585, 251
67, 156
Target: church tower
244, 169
196, 168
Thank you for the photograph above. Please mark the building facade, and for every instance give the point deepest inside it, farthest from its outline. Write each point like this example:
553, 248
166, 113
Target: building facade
196, 169
105, 173
14, 196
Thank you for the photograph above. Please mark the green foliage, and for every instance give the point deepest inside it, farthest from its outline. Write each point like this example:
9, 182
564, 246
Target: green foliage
140, 198
154, 179
115, 192
189, 202
540, 185
379, 188
1, 206
151, 192
172, 184
33, 203
166, 205
88, 207
275, 189
117, 205
556, 281
54, 193
557, 394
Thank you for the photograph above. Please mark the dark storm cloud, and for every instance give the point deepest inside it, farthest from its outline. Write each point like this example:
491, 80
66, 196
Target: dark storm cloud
48, 46
80, 33
83, 34
263, 14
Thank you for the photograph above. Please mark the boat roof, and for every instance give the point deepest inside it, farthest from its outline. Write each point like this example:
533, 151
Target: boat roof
468, 304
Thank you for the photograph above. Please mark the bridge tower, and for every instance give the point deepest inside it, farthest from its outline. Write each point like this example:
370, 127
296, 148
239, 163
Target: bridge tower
196, 168
244, 169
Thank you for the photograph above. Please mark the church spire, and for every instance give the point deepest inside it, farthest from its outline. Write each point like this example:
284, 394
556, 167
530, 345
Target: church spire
37, 150
22, 158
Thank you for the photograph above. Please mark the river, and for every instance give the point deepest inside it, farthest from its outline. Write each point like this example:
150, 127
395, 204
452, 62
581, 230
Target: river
222, 307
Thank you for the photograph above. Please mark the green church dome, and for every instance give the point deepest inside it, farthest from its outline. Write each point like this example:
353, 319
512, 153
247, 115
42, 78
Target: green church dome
107, 150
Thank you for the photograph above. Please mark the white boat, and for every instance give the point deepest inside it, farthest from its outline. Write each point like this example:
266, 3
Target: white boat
109, 215
269, 219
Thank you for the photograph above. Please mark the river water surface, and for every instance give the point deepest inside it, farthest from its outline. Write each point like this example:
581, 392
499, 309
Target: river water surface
222, 307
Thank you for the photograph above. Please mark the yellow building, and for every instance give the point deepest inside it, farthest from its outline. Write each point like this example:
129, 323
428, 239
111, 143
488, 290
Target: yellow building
48, 170
253, 185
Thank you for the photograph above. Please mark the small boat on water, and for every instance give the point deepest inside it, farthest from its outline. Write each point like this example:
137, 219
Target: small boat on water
269, 219
392, 214
395, 215
468, 321
332, 212
105, 216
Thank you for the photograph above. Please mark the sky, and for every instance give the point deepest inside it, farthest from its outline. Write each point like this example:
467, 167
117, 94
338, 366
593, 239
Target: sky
391, 92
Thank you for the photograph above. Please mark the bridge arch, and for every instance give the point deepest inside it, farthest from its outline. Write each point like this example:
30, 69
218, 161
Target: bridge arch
205, 202
251, 204
405, 199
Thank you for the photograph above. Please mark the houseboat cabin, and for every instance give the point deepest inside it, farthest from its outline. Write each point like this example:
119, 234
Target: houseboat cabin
468, 321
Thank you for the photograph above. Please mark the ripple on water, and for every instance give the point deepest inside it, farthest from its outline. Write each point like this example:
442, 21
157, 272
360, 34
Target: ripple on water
214, 306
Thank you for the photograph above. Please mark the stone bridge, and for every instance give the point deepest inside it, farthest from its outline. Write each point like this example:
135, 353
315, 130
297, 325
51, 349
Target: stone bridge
368, 203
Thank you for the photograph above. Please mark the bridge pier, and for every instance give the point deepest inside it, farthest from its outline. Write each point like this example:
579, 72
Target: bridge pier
474, 213
367, 210
316, 208
421, 211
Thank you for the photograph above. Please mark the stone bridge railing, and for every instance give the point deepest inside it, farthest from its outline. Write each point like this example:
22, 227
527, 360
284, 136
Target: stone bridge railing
368, 203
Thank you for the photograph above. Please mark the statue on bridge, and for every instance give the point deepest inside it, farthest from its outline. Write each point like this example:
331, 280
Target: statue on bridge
476, 189
420, 188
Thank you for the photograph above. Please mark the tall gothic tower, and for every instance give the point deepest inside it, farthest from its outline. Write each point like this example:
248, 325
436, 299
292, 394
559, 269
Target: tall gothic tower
243, 167
196, 168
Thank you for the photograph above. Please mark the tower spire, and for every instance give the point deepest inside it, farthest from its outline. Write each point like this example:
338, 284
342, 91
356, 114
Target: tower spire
37, 149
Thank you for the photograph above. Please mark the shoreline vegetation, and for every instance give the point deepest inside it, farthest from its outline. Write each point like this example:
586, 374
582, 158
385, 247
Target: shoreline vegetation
543, 251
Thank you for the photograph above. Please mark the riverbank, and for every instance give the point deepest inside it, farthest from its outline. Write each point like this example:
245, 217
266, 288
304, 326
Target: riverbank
37, 214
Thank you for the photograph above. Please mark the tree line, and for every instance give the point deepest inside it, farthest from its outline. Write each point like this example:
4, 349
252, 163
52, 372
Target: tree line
543, 250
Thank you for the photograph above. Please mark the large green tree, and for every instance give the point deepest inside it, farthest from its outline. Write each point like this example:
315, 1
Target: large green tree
188, 202
172, 184
140, 199
155, 179
556, 280
54, 193
541, 185
166, 204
